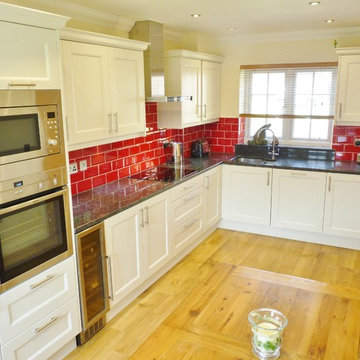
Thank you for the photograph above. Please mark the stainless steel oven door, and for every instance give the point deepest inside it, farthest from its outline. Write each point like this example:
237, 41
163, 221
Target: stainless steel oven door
34, 235
28, 132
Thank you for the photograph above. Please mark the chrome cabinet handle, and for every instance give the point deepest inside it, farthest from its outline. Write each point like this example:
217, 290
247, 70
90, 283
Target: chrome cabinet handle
329, 185
340, 110
147, 221
268, 178
34, 286
198, 113
205, 110
111, 295
43, 327
22, 84
142, 218
115, 115
299, 173
189, 186
192, 222
191, 196
111, 130
207, 181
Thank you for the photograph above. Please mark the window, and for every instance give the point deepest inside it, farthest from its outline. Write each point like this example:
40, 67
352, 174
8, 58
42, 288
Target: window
297, 99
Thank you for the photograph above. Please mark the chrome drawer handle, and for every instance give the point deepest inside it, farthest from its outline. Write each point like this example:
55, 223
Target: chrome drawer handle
34, 286
52, 320
189, 186
190, 223
20, 84
189, 197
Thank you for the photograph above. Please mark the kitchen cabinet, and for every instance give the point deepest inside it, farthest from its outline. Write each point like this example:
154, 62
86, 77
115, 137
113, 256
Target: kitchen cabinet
298, 199
29, 46
103, 87
348, 87
212, 197
193, 74
40, 315
137, 245
246, 194
342, 205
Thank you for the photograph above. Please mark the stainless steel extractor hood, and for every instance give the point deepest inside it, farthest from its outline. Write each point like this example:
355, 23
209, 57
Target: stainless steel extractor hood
152, 32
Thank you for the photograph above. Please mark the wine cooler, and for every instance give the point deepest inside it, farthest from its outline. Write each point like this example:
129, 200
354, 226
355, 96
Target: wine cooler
94, 295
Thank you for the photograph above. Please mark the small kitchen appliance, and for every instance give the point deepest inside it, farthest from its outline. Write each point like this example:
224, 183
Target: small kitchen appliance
200, 148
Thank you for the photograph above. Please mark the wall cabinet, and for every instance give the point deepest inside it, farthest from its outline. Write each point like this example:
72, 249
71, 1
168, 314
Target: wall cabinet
342, 205
103, 87
298, 199
29, 48
193, 74
212, 197
137, 245
246, 194
348, 87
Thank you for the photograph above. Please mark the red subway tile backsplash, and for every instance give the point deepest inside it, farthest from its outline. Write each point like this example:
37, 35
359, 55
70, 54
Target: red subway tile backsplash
343, 142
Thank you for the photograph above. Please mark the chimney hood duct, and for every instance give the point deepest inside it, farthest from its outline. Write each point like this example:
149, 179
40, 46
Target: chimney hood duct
152, 32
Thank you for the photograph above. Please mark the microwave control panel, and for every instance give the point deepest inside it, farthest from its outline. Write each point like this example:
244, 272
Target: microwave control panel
52, 129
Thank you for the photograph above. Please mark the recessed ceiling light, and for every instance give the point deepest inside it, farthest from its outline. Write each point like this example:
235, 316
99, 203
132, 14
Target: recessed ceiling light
195, 15
314, 3
232, 28
329, 21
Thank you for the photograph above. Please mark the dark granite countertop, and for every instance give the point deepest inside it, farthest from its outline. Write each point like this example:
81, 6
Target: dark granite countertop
94, 206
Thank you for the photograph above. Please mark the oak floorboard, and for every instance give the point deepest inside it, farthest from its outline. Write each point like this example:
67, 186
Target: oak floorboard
198, 310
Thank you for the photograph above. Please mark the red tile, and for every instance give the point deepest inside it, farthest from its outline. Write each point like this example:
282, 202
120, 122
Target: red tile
111, 155
84, 185
235, 127
144, 147
98, 180
339, 130
135, 169
218, 134
231, 120
75, 154
123, 153
117, 164
74, 189
129, 142
112, 176
124, 172
90, 150
352, 148
104, 147
224, 142
225, 127
231, 134
117, 145
217, 148
134, 150
154, 145
229, 150
77, 177
344, 156
105, 168
139, 140
97, 159
91, 172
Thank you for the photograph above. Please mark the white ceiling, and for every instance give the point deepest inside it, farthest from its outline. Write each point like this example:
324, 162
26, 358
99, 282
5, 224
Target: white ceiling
255, 17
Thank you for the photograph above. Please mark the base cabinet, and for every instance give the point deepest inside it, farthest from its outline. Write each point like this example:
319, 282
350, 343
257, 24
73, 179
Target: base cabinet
342, 205
246, 195
212, 197
137, 245
298, 199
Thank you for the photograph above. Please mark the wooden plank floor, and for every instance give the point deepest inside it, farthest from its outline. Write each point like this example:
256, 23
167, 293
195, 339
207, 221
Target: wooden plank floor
199, 309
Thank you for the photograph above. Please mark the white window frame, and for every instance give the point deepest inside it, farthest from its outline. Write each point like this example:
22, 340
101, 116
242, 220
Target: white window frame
288, 121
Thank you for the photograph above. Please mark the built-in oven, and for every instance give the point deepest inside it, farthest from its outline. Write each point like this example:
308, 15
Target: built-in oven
35, 230
35, 233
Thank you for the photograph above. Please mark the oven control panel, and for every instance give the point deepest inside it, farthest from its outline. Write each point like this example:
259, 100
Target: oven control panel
52, 130
31, 184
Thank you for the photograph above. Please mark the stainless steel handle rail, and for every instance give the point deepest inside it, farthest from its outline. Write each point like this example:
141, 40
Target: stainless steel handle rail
34, 286
111, 130
329, 185
22, 84
111, 295
340, 110
115, 115
207, 181
299, 173
191, 196
192, 222
147, 221
189, 186
205, 110
142, 218
43, 327
268, 178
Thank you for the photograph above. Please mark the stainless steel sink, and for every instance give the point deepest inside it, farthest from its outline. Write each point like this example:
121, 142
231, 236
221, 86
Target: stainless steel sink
251, 161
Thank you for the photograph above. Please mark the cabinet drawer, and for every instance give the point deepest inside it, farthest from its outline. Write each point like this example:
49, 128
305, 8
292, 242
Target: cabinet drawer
27, 303
186, 232
190, 203
186, 187
47, 336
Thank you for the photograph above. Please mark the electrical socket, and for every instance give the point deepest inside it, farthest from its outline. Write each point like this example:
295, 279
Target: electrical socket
73, 169
357, 142
83, 165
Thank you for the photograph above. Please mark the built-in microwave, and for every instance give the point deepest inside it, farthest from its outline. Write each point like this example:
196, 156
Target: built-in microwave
28, 132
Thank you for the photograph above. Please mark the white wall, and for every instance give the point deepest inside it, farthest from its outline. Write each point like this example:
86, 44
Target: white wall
276, 52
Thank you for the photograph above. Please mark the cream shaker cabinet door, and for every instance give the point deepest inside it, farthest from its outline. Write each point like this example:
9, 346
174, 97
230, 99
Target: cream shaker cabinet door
154, 219
211, 88
348, 104
29, 57
246, 194
126, 69
86, 92
298, 199
342, 205
212, 197
124, 251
